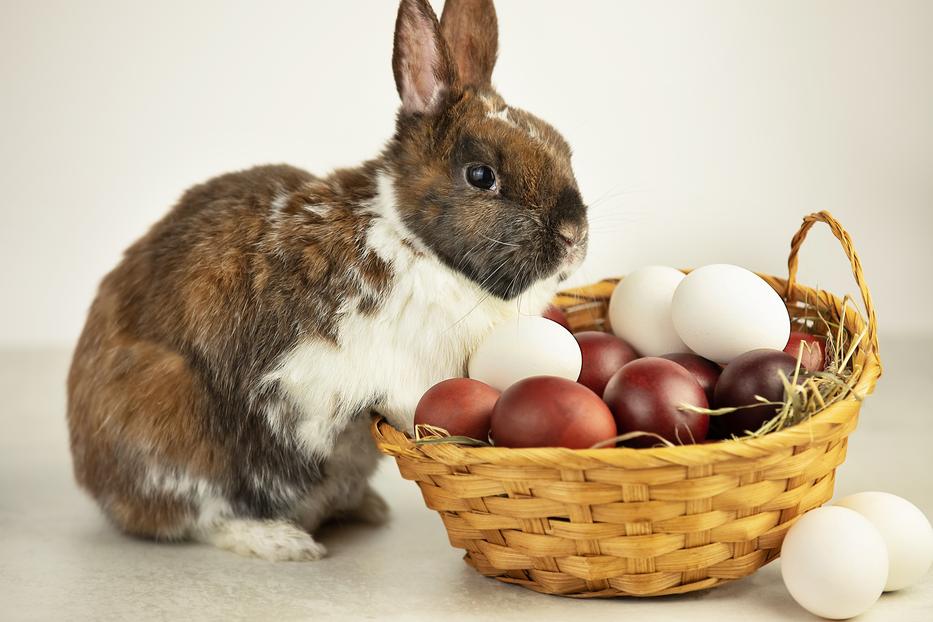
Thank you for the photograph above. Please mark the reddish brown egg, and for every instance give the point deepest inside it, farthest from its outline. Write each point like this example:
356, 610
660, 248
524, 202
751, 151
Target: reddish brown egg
813, 357
547, 411
603, 355
646, 395
750, 374
704, 370
462, 406
555, 314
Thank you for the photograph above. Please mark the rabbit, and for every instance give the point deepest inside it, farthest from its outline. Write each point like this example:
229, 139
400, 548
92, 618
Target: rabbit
222, 388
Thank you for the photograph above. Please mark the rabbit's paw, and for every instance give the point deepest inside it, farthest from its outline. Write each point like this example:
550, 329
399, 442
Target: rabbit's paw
272, 540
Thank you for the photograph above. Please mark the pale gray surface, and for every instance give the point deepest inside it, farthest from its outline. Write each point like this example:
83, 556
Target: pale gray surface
60, 560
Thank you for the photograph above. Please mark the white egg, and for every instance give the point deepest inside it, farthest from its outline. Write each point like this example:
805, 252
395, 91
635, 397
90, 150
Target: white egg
906, 531
834, 562
523, 347
721, 311
640, 310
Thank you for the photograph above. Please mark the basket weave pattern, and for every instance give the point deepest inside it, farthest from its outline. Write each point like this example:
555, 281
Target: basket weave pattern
642, 522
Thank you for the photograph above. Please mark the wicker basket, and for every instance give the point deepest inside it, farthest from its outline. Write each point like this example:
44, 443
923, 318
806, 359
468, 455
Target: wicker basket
642, 522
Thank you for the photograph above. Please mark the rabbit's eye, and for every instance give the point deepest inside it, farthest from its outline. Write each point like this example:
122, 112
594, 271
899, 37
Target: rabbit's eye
481, 176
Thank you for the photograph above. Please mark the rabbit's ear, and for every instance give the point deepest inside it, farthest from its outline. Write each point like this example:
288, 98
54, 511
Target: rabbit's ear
424, 72
471, 30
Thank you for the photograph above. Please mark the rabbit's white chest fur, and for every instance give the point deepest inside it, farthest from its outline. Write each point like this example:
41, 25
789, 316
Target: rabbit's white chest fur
422, 332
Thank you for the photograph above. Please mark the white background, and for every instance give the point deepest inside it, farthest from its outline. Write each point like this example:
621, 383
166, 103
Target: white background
703, 131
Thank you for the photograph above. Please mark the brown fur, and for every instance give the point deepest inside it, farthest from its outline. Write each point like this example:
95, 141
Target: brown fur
168, 381
183, 329
537, 187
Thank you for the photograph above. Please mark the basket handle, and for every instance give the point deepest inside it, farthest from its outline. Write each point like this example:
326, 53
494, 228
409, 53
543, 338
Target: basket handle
849, 250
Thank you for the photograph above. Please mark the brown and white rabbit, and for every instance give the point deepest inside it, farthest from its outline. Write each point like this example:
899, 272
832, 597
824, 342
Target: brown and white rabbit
223, 384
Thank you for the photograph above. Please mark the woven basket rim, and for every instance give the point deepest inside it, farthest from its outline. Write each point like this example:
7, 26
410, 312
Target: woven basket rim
394, 442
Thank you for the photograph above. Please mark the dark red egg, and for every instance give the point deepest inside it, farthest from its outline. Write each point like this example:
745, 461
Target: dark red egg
814, 350
546, 411
750, 374
603, 355
646, 395
462, 406
555, 314
704, 370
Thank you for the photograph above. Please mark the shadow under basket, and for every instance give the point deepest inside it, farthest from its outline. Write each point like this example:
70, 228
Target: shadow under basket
644, 522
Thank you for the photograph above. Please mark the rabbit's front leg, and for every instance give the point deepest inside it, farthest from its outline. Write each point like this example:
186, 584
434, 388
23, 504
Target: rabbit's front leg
371, 509
345, 492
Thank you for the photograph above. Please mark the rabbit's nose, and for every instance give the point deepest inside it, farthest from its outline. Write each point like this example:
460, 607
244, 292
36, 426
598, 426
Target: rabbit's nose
571, 234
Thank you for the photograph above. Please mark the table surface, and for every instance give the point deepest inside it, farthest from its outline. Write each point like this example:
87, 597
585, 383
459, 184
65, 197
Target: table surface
59, 557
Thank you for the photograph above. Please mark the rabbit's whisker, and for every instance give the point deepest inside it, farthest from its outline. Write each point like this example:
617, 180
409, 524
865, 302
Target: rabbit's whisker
498, 241
483, 298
